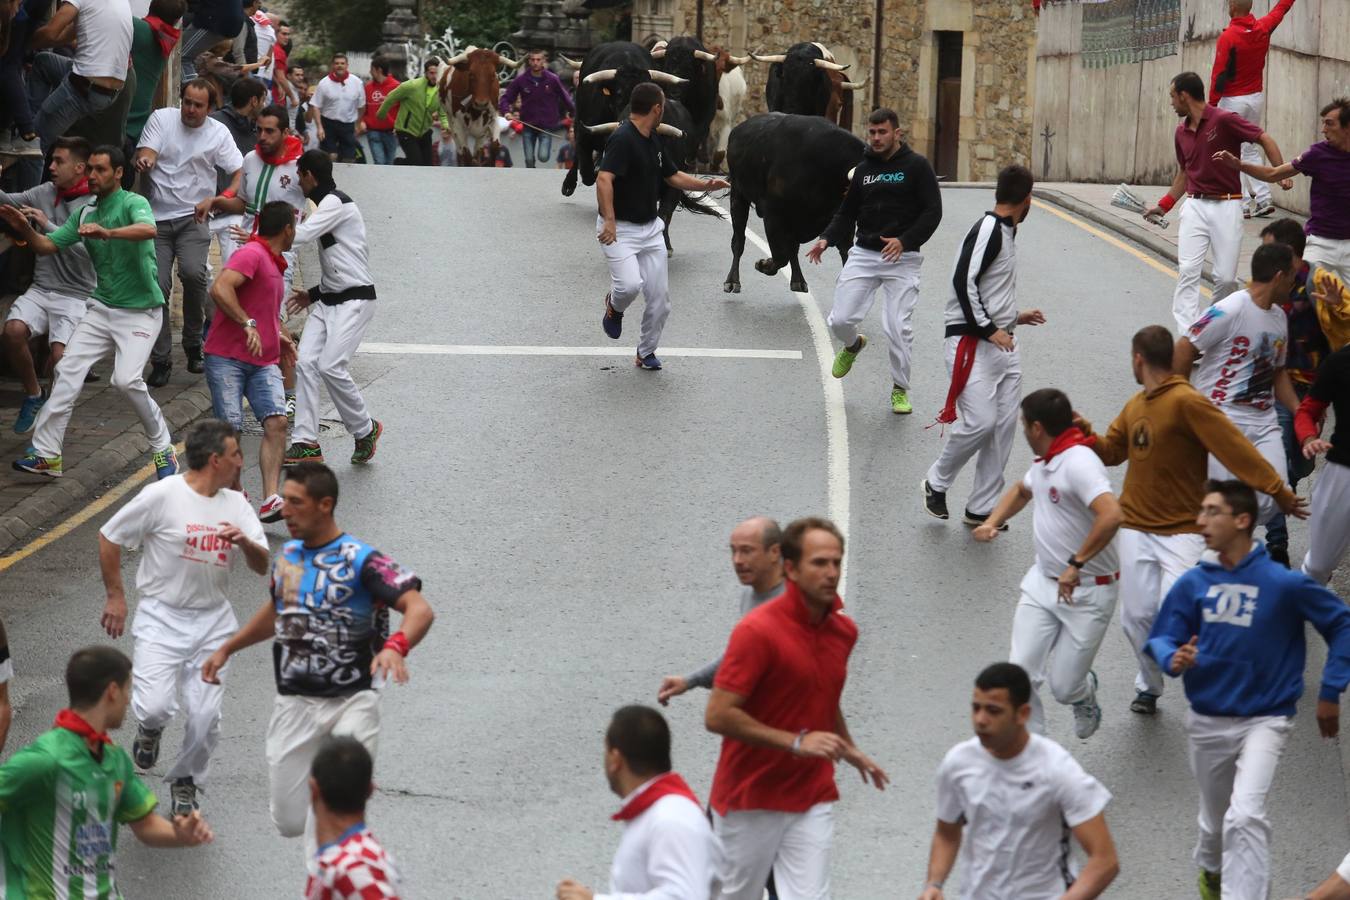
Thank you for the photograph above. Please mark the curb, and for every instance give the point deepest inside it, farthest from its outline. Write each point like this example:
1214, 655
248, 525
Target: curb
89, 478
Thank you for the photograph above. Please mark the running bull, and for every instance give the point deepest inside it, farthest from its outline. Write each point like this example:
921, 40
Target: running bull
687, 58
468, 91
806, 81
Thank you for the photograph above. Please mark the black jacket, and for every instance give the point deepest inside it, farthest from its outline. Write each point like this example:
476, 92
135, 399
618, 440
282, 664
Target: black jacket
896, 197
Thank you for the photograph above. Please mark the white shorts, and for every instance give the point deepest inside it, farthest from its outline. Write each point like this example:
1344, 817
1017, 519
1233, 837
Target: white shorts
49, 313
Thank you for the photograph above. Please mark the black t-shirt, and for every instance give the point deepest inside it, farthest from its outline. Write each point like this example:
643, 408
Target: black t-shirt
640, 166
1333, 386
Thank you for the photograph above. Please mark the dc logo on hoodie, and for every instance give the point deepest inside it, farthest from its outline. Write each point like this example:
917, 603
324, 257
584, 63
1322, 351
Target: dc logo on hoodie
1234, 604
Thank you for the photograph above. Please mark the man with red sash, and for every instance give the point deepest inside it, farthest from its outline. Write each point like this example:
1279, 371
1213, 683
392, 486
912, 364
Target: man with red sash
667, 849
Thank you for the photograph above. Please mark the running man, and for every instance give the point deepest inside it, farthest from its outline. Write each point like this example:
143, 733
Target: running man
543, 99
352, 865
331, 596
757, 557
335, 110
982, 356
1236, 84
191, 532
627, 189
1009, 788
56, 301
1244, 339
117, 230
1168, 431
68, 791
894, 200
667, 848
1329, 525
1234, 629
419, 105
1069, 594
1211, 220
776, 704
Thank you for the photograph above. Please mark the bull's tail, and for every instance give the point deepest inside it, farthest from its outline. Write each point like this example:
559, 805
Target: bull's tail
698, 203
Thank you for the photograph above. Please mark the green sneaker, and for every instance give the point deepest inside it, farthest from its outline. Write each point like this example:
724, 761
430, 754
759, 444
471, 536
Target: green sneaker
1209, 885
33, 464
843, 360
365, 447
298, 453
900, 402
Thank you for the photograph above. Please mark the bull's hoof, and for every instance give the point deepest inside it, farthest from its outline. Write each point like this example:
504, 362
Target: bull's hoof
767, 266
731, 287
568, 188
670, 251
797, 287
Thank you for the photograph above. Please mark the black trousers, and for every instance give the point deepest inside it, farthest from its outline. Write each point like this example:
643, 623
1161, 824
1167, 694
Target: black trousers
416, 150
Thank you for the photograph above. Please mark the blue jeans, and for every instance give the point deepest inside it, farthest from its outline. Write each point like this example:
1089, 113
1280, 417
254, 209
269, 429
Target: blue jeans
538, 145
231, 380
64, 105
383, 147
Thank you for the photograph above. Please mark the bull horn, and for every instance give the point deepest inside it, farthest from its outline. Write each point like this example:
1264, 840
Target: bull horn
824, 51
775, 58
456, 60
740, 60
571, 62
855, 85
705, 55
665, 77
600, 75
658, 50
832, 66
508, 61
606, 128
669, 130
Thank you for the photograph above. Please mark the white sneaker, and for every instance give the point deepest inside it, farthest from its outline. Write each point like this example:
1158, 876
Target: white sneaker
270, 511
1087, 714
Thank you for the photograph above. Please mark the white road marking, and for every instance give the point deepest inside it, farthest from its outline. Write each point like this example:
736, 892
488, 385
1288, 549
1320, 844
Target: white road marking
525, 350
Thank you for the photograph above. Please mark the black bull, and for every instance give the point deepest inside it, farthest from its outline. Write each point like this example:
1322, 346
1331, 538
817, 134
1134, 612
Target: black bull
794, 169
687, 58
601, 101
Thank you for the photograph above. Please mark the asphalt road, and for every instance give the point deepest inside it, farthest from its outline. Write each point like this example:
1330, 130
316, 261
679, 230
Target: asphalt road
569, 517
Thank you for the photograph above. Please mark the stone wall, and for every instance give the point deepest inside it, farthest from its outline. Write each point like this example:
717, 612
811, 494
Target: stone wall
1115, 124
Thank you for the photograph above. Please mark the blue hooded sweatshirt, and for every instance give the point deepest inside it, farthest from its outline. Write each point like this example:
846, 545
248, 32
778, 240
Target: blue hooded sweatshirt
1250, 657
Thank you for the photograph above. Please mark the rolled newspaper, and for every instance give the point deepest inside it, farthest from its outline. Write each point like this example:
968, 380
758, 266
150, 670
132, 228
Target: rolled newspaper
1128, 199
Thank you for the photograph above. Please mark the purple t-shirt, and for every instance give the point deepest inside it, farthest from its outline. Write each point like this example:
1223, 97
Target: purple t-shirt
1329, 208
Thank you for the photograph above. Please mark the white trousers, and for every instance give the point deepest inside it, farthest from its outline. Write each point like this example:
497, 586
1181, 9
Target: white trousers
863, 276
986, 423
171, 645
1328, 522
128, 334
1252, 108
1057, 642
1149, 565
297, 728
327, 345
637, 264
1233, 760
795, 846
1331, 255
1207, 226
1269, 442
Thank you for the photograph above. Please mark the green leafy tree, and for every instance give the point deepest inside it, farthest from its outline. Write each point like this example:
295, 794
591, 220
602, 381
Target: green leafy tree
339, 24
479, 22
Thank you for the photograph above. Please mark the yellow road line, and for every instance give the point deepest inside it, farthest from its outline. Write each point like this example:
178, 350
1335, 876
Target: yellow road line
1114, 242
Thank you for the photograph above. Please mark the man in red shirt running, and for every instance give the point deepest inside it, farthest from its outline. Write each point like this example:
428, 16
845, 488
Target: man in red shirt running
776, 704
1237, 85
380, 130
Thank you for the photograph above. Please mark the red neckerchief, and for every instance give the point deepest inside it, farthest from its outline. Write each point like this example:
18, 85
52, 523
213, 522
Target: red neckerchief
342, 80
965, 361
291, 148
663, 786
1069, 437
276, 257
165, 34
70, 720
78, 189
261, 18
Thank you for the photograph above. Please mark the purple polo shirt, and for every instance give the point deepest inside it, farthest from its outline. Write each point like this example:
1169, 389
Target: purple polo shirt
1329, 205
1219, 130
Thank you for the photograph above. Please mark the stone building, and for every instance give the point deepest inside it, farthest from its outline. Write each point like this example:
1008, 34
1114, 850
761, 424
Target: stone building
960, 73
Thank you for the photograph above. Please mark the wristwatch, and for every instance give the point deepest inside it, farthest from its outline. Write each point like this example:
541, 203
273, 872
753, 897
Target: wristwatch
251, 323
1076, 562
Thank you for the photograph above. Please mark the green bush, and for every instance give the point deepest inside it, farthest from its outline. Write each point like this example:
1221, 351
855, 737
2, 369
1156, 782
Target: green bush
479, 22
340, 24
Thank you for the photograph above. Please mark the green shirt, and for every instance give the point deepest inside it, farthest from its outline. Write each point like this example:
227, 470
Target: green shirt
53, 793
418, 102
127, 275
148, 62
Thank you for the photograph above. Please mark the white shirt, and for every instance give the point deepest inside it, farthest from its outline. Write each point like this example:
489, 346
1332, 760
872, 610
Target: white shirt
1343, 870
262, 183
1062, 491
1015, 844
183, 564
184, 173
340, 102
667, 853
103, 38
1243, 345
267, 36
337, 225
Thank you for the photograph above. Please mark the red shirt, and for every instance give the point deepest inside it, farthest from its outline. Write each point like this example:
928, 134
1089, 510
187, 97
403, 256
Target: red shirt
354, 867
1219, 130
375, 94
1242, 53
279, 64
792, 674
260, 296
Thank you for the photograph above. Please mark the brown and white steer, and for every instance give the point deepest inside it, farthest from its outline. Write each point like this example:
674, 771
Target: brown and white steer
469, 90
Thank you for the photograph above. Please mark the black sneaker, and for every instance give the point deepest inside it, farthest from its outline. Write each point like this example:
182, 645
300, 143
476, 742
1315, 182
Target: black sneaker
1279, 553
1144, 703
145, 749
183, 797
159, 374
935, 502
195, 364
975, 520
